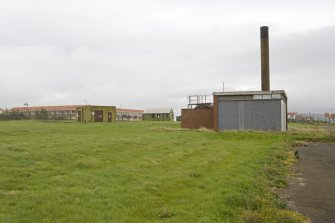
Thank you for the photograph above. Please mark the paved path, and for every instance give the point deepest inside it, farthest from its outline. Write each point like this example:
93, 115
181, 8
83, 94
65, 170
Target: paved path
312, 191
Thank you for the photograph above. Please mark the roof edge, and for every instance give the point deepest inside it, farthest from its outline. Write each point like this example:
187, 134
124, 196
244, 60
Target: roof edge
282, 92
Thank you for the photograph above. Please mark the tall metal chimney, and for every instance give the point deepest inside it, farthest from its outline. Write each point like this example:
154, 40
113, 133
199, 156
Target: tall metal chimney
265, 58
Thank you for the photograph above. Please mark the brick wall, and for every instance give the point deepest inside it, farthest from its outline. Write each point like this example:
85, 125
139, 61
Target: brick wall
197, 118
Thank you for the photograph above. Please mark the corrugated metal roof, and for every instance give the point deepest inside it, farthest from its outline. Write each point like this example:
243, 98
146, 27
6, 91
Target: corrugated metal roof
157, 110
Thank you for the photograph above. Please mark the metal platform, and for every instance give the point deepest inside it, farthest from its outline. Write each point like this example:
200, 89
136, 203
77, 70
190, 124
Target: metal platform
197, 100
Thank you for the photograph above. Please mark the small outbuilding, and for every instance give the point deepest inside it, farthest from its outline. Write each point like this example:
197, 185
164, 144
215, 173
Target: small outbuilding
241, 110
250, 110
158, 114
92, 113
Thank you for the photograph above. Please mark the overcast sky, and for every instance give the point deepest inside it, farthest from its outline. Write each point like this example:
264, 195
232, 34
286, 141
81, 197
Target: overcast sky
154, 53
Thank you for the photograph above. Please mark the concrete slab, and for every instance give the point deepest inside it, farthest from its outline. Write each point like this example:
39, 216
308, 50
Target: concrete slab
312, 190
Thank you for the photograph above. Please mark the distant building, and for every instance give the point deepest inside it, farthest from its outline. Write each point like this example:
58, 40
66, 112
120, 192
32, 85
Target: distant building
158, 114
291, 115
62, 112
332, 118
89, 113
2, 111
310, 117
124, 114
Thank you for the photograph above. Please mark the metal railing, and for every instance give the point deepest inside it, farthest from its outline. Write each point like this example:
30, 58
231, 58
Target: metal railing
195, 100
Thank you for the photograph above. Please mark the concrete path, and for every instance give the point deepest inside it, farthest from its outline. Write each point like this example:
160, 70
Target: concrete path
312, 190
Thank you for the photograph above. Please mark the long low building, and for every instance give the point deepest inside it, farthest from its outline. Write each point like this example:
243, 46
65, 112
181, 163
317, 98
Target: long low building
125, 114
158, 114
304, 117
62, 112
70, 112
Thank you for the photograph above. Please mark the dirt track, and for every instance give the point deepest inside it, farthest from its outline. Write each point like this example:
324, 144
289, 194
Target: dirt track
312, 190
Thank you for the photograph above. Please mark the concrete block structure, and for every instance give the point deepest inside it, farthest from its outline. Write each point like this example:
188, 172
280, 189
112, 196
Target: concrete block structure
158, 114
92, 113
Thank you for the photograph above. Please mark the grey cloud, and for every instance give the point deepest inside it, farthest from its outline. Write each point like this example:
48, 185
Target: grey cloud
153, 53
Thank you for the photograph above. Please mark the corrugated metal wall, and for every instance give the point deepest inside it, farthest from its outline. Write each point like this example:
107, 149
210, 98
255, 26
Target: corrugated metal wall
250, 114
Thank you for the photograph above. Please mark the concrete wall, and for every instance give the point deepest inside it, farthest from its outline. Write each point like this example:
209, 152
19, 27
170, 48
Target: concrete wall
197, 118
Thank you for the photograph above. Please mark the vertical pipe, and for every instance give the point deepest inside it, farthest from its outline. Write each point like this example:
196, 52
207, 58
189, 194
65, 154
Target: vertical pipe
265, 65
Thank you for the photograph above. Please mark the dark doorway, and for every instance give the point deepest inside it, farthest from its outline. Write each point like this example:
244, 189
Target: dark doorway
79, 116
98, 116
110, 116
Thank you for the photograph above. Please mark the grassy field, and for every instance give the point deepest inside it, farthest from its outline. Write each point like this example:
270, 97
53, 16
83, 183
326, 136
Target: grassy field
143, 172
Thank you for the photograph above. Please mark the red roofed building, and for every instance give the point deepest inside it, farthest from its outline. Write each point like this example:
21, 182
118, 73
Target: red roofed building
62, 112
291, 115
69, 112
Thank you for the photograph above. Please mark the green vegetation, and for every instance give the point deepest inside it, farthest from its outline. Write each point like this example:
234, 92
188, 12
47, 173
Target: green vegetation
143, 172
312, 133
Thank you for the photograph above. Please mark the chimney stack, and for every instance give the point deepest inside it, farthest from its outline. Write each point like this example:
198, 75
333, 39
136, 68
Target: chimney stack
265, 58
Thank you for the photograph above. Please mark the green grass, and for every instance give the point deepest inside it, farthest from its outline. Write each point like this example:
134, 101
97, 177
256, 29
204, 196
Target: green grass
142, 172
312, 133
